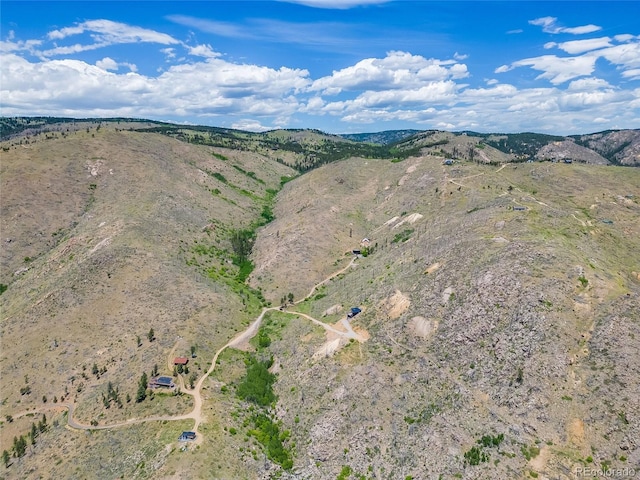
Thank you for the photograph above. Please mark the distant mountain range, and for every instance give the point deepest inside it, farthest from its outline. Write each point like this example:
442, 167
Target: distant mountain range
618, 147
311, 148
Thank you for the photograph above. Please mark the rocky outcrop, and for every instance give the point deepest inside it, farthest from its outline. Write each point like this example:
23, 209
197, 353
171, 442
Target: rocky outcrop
569, 150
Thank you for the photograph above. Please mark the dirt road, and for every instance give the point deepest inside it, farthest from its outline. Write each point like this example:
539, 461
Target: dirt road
196, 413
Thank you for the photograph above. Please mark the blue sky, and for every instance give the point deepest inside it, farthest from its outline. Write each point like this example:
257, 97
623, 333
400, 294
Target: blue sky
341, 66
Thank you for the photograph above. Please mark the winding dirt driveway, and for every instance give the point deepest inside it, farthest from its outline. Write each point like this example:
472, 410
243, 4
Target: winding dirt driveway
196, 413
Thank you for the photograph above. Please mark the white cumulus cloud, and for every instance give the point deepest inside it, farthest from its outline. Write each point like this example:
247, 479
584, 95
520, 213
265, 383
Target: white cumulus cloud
107, 64
581, 46
625, 56
550, 25
203, 51
113, 32
250, 125
10, 45
212, 87
398, 70
633, 74
103, 33
559, 69
192, 82
588, 84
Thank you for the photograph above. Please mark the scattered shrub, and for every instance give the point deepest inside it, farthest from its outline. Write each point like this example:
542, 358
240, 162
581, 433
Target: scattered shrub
475, 456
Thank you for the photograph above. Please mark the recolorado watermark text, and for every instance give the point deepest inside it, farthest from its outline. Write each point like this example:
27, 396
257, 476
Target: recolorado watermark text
626, 472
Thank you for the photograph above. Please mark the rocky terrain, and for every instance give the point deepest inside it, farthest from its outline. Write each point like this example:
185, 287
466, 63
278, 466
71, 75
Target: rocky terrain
567, 150
620, 147
500, 305
486, 299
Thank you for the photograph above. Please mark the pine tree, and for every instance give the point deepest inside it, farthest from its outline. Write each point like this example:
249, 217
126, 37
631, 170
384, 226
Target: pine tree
142, 388
42, 425
19, 446
33, 434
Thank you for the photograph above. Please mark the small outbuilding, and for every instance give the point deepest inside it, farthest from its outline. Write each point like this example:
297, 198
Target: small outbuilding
180, 361
354, 311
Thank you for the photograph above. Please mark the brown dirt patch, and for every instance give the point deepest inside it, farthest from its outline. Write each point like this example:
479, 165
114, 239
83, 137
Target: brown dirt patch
539, 463
432, 268
423, 327
396, 304
575, 432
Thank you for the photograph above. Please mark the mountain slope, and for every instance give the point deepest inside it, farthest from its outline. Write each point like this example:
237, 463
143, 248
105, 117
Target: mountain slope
126, 233
381, 138
484, 319
497, 336
620, 147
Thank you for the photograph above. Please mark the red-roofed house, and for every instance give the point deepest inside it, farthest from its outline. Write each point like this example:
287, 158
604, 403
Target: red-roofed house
180, 361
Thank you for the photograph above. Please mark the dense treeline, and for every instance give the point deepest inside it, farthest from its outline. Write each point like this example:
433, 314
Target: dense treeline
267, 432
256, 386
522, 144
381, 138
311, 153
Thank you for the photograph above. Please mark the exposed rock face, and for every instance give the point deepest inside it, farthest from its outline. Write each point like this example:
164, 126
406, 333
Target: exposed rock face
621, 147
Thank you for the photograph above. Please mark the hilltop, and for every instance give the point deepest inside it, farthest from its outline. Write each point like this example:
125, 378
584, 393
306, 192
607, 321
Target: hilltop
620, 147
305, 149
499, 300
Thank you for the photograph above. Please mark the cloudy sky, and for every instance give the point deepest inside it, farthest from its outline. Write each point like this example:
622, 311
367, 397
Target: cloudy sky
341, 66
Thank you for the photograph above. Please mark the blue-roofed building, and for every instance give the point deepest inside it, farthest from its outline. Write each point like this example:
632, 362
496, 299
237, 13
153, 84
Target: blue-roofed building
187, 436
162, 382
